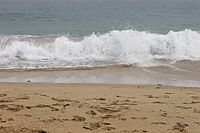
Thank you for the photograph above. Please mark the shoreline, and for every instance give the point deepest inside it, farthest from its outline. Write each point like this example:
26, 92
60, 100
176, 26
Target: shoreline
110, 75
159, 63
56, 108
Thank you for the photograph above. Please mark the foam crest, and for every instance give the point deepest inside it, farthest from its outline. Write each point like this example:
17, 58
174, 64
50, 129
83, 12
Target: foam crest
116, 47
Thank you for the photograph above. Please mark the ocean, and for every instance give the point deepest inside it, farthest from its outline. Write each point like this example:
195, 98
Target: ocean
46, 34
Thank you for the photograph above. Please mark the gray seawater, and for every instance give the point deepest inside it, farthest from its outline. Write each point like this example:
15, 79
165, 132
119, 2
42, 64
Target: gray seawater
84, 17
37, 34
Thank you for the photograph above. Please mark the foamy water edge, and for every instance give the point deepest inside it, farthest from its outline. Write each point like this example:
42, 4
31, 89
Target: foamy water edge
126, 47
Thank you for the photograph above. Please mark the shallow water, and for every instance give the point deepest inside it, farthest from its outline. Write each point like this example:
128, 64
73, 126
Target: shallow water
185, 73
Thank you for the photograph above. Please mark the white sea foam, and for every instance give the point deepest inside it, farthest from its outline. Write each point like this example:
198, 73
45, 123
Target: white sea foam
115, 47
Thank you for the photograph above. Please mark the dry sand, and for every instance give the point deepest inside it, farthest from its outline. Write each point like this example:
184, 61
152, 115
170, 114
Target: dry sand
80, 108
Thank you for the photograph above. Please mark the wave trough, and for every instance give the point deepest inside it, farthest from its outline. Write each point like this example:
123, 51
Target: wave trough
113, 48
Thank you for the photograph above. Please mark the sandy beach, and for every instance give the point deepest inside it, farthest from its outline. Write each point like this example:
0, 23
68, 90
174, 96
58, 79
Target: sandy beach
79, 108
99, 66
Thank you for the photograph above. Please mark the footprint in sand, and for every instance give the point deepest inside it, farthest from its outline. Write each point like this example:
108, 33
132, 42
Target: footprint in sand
158, 86
198, 123
42, 95
111, 116
123, 119
159, 123
23, 98
169, 93
97, 125
140, 118
53, 119
78, 118
27, 115
164, 114
66, 105
159, 102
109, 128
193, 102
3, 94
64, 100
150, 96
106, 109
99, 99
6, 101
10, 119
42, 131
92, 126
125, 97
2, 121
6, 129
91, 112
123, 102
11, 107
180, 126
140, 131
166, 96
56, 104
183, 107
134, 131
180, 117
195, 97
43, 106
11, 129
196, 110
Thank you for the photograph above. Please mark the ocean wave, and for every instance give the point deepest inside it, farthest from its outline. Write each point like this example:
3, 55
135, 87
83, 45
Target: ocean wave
116, 47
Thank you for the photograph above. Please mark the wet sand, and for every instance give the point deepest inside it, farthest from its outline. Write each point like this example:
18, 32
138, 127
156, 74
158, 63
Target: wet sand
180, 75
79, 108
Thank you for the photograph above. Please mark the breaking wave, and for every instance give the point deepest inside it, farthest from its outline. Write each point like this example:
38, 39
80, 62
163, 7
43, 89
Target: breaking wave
114, 48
